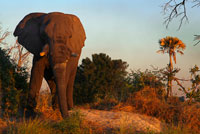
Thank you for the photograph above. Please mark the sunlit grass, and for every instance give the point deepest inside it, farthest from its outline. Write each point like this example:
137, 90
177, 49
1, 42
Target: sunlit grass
36, 126
72, 125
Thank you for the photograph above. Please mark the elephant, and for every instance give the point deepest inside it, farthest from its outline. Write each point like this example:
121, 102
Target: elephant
56, 40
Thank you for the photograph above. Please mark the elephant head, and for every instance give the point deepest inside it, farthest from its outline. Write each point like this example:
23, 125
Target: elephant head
64, 36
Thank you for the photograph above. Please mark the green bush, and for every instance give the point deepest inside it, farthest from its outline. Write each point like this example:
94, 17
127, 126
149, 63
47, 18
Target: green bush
13, 85
70, 125
99, 77
138, 80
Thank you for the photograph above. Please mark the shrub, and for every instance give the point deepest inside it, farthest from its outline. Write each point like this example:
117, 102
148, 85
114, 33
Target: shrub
14, 85
173, 111
190, 117
71, 125
140, 79
107, 103
98, 77
149, 102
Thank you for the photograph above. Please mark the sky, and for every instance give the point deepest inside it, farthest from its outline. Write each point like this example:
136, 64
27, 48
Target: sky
123, 29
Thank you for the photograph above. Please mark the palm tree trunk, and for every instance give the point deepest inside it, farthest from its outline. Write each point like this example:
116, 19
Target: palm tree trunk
169, 90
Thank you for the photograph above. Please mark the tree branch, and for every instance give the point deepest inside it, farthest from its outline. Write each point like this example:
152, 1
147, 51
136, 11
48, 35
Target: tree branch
178, 83
176, 10
4, 36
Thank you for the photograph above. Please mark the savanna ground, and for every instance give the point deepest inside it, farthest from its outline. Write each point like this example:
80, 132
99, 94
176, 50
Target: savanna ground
108, 116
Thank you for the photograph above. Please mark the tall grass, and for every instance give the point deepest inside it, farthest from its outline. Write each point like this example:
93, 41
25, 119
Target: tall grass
35, 126
71, 125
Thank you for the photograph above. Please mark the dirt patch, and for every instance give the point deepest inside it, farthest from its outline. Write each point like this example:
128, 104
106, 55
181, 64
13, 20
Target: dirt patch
121, 119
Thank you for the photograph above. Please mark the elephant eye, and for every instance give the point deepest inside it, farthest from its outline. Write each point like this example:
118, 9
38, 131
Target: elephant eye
60, 41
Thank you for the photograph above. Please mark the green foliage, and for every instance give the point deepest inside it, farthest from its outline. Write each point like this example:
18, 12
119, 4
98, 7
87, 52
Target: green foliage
71, 125
153, 79
194, 91
98, 77
13, 85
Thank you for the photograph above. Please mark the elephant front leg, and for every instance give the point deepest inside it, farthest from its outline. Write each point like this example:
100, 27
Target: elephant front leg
72, 68
59, 71
37, 73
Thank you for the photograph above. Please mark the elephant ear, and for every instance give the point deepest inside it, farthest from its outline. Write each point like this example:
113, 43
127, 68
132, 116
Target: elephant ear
28, 32
77, 37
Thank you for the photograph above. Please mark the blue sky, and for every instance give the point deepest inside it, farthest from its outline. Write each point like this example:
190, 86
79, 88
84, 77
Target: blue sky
123, 29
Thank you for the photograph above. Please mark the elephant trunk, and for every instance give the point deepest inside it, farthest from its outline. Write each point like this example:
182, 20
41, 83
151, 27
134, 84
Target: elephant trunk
59, 70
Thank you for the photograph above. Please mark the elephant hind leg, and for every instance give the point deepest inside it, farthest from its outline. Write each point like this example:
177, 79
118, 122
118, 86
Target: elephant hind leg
54, 95
48, 75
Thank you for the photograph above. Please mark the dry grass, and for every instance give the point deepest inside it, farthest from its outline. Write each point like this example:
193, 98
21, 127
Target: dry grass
105, 104
182, 118
45, 109
190, 117
173, 111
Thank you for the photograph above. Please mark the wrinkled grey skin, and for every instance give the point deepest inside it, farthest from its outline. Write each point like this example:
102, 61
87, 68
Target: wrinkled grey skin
65, 36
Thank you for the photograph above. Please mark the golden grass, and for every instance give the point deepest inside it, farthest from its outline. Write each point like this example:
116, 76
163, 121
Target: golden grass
171, 111
45, 109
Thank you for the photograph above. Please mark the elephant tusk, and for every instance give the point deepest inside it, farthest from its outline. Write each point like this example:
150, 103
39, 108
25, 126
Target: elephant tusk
74, 54
42, 54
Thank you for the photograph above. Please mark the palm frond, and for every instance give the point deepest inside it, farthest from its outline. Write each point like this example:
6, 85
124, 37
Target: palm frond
196, 43
160, 51
179, 51
197, 37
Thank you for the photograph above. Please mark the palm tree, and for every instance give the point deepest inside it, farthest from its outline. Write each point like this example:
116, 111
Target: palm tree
171, 45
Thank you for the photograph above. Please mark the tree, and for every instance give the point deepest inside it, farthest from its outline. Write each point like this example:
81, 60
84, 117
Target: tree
3, 36
99, 77
171, 45
192, 93
177, 8
19, 55
13, 84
